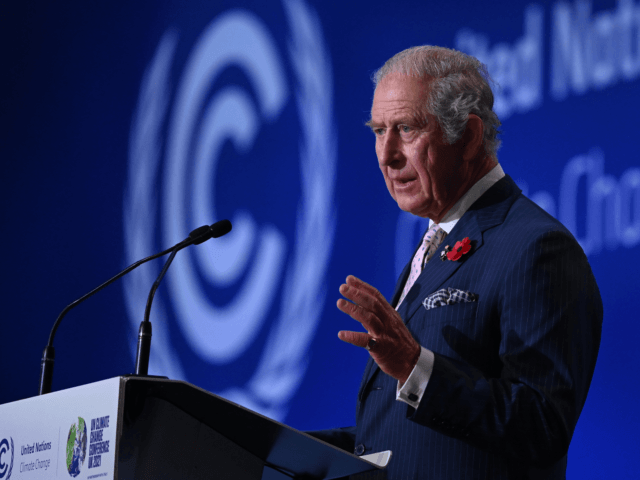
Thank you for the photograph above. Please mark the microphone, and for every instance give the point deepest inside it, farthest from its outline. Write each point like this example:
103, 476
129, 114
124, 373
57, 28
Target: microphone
204, 233
197, 236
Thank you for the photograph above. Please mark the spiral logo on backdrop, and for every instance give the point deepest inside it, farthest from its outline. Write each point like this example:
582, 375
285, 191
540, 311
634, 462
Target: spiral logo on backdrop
248, 135
6, 458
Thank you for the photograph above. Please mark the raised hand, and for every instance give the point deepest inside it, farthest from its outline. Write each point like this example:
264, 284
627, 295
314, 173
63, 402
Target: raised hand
388, 340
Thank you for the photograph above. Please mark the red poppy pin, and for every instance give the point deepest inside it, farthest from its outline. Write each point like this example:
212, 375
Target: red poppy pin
461, 248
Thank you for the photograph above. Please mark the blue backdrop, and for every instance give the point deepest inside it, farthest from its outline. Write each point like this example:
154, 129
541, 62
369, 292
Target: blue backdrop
125, 125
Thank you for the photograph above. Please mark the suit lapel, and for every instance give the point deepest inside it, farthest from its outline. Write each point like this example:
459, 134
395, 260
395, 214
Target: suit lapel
436, 272
403, 277
487, 212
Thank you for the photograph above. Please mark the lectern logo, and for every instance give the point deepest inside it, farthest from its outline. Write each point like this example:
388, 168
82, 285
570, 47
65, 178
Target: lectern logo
76, 447
6, 458
245, 132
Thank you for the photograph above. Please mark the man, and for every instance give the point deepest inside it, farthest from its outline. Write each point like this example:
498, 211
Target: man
481, 363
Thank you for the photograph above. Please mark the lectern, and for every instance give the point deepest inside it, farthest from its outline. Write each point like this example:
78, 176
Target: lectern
153, 428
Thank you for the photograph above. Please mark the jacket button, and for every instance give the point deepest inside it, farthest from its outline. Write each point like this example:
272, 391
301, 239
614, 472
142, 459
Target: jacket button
359, 449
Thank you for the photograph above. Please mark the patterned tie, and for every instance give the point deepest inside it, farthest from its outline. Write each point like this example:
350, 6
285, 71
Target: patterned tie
430, 243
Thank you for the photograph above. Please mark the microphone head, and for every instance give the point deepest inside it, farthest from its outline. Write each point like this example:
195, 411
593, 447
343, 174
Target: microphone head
220, 228
200, 234
204, 233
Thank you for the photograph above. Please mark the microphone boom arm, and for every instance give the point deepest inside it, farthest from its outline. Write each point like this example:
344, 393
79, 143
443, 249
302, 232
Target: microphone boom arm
49, 353
197, 236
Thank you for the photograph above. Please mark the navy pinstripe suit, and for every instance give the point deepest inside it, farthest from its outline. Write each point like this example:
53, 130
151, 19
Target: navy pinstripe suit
511, 370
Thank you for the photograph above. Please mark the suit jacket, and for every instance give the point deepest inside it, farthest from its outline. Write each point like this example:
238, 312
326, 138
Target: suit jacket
512, 368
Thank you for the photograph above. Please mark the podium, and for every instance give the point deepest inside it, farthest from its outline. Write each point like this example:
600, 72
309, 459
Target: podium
153, 428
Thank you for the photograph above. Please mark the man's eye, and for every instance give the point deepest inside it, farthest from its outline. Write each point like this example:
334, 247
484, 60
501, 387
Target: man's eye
405, 128
378, 131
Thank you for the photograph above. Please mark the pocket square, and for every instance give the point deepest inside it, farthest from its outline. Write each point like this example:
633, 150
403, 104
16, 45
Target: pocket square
448, 296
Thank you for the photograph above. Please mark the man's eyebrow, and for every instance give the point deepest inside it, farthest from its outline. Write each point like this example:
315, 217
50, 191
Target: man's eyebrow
399, 121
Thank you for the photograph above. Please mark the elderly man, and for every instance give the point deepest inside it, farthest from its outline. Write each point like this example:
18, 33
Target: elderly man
481, 363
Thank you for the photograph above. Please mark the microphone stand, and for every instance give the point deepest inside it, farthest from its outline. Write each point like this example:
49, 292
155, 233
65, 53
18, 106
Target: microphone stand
144, 333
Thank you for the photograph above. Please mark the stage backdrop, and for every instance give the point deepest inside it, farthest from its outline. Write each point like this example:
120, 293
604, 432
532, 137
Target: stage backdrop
124, 125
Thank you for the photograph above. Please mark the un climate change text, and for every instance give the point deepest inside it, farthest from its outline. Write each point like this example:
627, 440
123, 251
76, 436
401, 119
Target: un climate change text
97, 445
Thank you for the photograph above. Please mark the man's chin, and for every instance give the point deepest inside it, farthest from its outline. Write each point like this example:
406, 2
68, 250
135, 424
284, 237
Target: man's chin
414, 208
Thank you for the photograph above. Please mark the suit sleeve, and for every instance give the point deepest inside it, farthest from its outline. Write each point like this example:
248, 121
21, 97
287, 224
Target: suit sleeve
549, 320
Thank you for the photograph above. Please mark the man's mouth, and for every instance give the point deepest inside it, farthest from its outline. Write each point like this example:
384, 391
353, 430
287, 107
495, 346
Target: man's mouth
404, 182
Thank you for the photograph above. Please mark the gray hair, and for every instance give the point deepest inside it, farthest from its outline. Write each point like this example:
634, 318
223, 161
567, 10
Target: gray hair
459, 85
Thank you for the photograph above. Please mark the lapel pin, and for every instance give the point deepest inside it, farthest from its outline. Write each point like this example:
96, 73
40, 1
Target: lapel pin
456, 253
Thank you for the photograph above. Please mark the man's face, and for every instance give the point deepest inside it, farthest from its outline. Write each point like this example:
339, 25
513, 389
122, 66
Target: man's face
424, 175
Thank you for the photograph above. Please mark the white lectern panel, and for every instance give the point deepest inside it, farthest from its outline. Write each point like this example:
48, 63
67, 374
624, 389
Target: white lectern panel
66, 434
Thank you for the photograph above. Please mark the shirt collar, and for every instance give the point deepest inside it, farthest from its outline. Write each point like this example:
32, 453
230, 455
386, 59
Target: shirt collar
474, 193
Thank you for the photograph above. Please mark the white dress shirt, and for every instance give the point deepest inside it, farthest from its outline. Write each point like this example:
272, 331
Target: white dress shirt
413, 389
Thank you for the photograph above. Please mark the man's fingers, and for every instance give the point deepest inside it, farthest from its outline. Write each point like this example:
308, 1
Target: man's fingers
359, 339
358, 296
369, 298
356, 282
365, 317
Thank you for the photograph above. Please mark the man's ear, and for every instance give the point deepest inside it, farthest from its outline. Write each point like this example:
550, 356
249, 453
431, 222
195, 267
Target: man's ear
472, 137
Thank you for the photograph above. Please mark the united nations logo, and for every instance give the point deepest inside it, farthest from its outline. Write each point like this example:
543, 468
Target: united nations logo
6, 458
76, 447
240, 127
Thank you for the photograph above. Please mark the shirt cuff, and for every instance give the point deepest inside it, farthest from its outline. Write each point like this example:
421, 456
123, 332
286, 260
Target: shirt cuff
413, 389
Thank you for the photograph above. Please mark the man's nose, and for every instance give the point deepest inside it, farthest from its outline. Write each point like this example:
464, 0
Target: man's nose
388, 151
